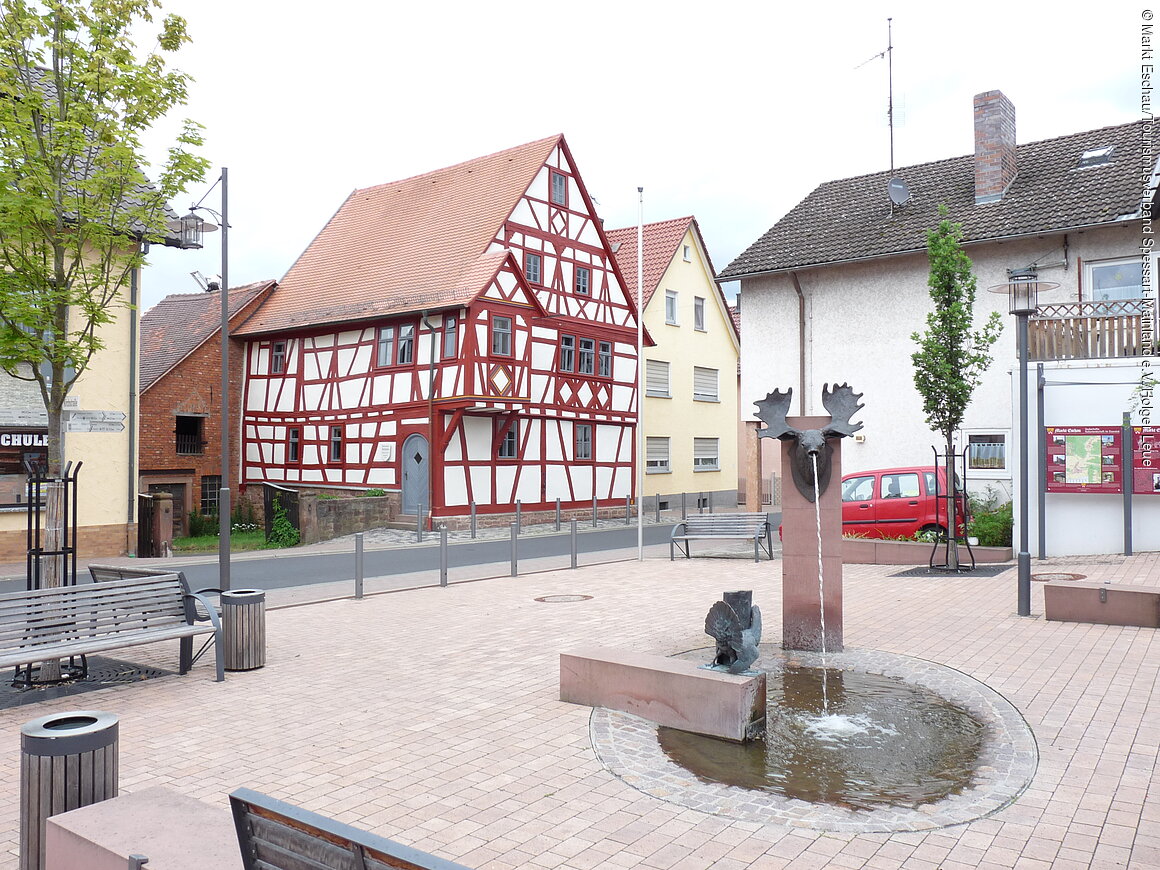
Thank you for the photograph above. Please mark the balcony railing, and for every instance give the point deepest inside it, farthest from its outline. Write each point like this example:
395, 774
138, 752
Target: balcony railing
1086, 330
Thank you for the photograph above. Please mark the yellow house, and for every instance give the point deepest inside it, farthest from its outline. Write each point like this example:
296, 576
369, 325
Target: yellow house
689, 419
99, 432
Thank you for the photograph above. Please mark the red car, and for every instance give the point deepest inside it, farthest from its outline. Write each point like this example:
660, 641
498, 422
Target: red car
898, 502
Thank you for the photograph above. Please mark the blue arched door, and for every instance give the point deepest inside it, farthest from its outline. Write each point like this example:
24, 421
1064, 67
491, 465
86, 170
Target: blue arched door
416, 474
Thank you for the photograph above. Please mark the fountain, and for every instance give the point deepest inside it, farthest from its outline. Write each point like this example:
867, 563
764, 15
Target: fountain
854, 740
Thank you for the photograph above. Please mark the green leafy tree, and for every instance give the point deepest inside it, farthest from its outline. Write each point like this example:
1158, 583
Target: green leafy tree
952, 355
76, 209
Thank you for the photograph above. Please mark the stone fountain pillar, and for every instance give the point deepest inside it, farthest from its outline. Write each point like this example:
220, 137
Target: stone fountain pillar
801, 622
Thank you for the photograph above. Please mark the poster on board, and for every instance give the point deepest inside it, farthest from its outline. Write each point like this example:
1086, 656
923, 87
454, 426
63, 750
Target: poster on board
1146, 460
1084, 459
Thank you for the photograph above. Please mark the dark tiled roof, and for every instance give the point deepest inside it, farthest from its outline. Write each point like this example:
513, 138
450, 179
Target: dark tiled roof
850, 219
179, 324
419, 243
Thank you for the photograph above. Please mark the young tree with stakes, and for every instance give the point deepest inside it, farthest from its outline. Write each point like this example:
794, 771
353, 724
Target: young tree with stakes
951, 355
76, 209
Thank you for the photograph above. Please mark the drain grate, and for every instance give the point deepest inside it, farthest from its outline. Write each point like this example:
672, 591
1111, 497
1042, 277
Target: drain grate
103, 673
1047, 578
977, 571
109, 672
562, 599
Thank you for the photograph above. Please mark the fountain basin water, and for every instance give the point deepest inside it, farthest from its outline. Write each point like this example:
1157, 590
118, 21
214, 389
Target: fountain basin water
1006, 761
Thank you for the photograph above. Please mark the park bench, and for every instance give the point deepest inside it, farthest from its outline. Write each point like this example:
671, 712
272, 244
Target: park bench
275, 835
74, 621
722, 527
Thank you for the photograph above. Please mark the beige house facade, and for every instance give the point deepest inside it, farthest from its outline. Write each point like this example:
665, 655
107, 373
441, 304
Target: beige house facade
689, 417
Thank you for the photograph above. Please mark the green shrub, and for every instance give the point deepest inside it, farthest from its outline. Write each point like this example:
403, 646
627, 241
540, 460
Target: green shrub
375, 493
282, 532
202, 525
993, 527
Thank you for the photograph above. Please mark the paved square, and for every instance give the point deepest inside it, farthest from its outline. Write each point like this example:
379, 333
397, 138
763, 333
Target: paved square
431, 716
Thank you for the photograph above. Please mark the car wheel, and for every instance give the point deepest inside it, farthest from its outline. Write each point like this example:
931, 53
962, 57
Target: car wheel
939, 531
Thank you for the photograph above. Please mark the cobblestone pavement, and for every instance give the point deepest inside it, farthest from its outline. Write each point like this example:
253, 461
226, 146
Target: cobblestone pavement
432, 716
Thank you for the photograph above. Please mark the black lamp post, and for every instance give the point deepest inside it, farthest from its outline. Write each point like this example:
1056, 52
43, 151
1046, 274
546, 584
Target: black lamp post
1023, 288
190, 229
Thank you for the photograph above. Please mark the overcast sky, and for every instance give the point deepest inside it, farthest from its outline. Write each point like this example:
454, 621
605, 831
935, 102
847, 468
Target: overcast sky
729, 111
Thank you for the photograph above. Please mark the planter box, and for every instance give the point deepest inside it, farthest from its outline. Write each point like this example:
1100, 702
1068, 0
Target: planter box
869, 551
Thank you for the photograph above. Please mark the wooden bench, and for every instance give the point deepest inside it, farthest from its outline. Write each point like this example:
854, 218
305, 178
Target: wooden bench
722, 527
74, 621
275, 835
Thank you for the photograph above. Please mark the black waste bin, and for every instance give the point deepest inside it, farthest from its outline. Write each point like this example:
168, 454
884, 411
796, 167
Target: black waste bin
67, 761
244, 628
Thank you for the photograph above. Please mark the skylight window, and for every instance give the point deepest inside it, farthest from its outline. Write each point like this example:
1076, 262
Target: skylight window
1095, 157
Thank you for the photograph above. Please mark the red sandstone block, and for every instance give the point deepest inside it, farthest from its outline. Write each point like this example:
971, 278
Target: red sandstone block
1102, 603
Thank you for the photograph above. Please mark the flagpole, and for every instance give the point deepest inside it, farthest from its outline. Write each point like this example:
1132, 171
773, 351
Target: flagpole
640, 458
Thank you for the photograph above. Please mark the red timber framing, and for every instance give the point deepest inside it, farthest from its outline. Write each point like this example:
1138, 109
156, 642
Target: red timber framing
525, 391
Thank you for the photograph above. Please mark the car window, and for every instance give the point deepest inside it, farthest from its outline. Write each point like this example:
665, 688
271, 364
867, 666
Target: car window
858, 489
899, 486
932, 487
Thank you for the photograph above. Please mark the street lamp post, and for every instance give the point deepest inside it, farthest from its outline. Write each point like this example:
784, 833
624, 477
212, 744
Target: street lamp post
1023, 288
190, 227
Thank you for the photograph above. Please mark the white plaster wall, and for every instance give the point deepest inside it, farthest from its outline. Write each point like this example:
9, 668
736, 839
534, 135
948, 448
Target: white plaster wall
859, 319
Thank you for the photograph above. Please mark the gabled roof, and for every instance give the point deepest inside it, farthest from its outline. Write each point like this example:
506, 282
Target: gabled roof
179, 324
850, 219
405, 246
662, 241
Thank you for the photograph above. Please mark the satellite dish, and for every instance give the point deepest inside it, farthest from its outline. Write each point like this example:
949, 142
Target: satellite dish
898, 192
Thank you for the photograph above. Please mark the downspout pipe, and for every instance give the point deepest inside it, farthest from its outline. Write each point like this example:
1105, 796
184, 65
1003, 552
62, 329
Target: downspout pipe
430, 413
134, 322
801, 343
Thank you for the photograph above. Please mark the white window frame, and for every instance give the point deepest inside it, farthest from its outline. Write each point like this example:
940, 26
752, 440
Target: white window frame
656, 370
688, 253
671, 307
558, 184
657, 455
502, 337
582, 287
533, 267
278, 358
450, 336
583, 447
1092, 267
698, 313
706, 454
701, 376
1002, 437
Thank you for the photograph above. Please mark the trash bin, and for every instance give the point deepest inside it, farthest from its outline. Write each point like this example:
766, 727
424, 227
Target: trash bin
244, 628
67, 761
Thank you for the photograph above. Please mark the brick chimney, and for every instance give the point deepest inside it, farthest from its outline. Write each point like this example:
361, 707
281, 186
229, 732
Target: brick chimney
995, 166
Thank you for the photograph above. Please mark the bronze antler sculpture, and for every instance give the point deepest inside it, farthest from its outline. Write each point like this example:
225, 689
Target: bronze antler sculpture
841, 402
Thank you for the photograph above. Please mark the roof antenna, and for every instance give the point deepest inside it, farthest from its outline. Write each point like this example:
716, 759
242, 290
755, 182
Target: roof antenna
890, 87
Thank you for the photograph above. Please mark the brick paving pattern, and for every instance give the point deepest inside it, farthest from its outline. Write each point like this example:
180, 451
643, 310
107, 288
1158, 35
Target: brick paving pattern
432, 716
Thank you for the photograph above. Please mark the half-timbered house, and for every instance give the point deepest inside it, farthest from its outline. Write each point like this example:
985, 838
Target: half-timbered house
459, 337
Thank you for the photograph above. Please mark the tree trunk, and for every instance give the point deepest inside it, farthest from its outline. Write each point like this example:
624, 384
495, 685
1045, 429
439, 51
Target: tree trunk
52, 567
952, 503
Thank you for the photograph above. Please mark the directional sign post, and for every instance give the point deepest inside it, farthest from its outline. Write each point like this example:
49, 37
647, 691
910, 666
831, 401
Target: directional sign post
95, 421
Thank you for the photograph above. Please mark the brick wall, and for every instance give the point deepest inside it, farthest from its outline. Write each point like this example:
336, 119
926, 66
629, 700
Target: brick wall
93, 542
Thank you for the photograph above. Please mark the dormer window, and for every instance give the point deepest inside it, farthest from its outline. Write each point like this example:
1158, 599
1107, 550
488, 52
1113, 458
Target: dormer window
1096, 157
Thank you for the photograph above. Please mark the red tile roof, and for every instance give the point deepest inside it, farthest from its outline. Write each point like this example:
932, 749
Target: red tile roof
179, 324
404, 246
660, 246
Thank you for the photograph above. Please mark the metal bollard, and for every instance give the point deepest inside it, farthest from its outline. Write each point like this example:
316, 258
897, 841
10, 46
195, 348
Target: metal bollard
657, 506
557, 515
358, 565
594, 521
574, 525
515, 551
419, 523
519, 516
627, 508
67, 761
684, 507
473, 521
443, 557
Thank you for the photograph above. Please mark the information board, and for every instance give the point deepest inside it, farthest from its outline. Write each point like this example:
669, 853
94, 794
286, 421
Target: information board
1146, 460
1084, 459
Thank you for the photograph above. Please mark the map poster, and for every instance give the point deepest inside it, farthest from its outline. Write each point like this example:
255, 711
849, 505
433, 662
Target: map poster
1146, 460
1084, 459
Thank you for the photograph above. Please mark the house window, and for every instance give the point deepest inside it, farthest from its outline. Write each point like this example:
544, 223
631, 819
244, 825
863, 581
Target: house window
656, 452
278, 358
704, 384
688, 254
583, 441
211, 485
190, 435
532, 267
559, 189
605, 359
335, 445
509, 445
1114, 280
293, 445
656, 378
386, 346
671, 307
987, 451
583, 277
698, 314
406, 344
567, 353
705, 455
501, 336
450, 336
587, 357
